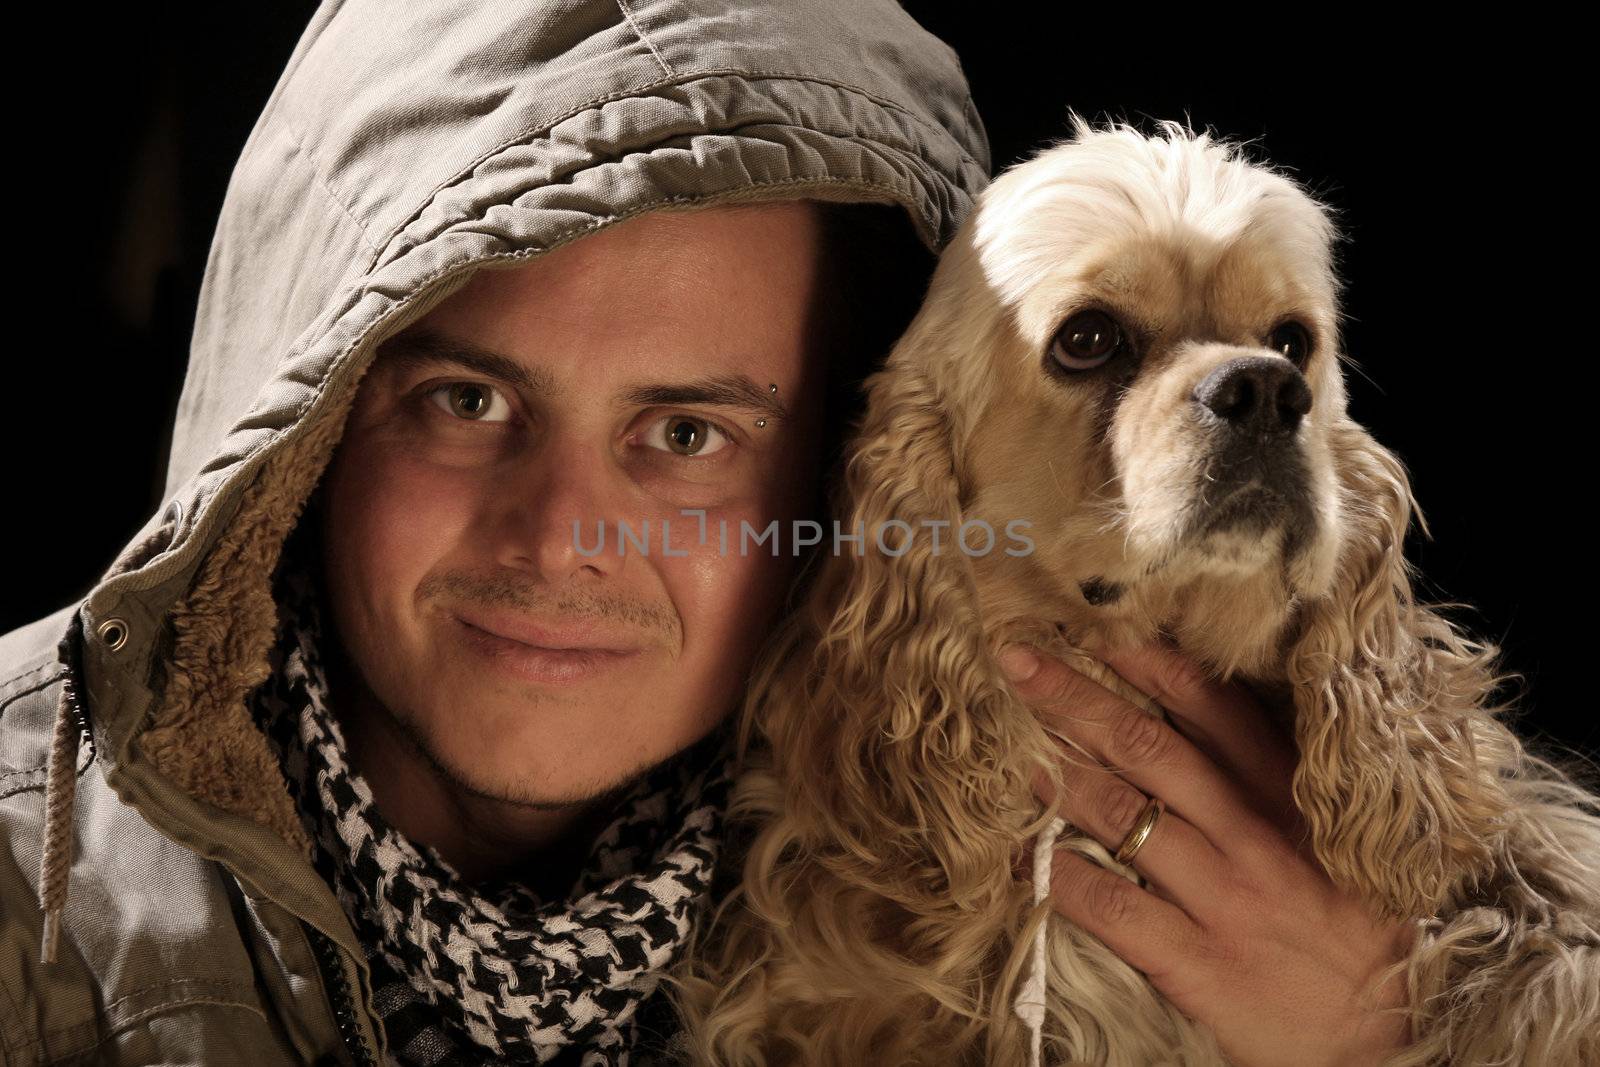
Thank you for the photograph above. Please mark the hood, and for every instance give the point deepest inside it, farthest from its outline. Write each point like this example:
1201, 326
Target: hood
405, 146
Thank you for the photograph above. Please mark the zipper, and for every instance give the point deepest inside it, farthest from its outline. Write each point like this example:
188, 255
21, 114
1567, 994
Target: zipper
67, 650
344, 1005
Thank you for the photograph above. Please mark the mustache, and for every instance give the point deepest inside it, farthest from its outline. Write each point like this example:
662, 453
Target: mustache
538, 601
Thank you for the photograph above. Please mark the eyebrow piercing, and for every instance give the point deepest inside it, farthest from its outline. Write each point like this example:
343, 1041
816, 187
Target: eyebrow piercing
761, 422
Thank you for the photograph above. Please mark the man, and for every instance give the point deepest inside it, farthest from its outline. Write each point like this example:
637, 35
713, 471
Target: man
366, 749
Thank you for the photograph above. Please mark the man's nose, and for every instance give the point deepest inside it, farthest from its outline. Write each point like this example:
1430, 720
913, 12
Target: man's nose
559, 516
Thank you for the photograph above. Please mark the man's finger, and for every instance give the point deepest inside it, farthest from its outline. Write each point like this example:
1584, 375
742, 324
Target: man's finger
1149, 753
1226, 720
1149, 933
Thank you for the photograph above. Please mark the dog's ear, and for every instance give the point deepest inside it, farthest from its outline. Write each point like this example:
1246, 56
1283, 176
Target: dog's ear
881, 699
877, 888
1399, 774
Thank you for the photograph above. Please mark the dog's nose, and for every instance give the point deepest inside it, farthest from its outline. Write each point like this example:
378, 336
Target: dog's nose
1258, 395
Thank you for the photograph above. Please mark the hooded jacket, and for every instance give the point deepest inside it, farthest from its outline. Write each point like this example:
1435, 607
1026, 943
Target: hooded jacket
153, 854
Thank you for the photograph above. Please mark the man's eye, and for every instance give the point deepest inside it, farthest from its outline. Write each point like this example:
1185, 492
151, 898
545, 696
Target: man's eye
686, 436
472, 401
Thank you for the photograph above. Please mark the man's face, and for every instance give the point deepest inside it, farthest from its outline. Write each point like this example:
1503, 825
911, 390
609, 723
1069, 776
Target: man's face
618, 379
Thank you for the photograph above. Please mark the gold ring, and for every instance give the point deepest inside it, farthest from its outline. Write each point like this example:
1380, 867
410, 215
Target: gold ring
1141, 830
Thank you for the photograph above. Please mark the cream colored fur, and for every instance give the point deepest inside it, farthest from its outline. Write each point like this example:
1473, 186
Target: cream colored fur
888, 764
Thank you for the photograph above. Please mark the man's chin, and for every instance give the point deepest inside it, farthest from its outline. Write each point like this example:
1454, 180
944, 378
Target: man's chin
535, 782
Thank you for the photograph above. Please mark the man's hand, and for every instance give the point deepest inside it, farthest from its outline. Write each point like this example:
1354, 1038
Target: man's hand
1241, 929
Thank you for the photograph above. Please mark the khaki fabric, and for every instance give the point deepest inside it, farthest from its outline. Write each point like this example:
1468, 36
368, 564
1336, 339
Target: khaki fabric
404, 147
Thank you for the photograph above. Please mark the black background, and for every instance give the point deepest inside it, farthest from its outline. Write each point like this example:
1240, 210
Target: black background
1434, 149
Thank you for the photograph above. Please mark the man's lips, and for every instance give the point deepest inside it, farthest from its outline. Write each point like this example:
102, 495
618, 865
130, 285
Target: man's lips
513, 627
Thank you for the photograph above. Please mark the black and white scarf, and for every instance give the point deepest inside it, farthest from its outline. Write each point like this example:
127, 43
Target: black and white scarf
487, 972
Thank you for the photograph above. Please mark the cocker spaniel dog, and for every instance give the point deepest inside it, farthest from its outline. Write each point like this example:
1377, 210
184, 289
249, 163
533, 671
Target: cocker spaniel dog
1133, 345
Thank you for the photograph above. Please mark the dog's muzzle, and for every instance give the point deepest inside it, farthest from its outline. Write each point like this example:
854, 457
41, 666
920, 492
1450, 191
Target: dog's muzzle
1255, 474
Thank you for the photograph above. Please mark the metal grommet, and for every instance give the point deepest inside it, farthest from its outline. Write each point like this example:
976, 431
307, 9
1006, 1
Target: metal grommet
114, 632
174, 512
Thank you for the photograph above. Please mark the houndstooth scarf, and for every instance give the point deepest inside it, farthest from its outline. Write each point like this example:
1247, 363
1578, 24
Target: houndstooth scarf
487, 972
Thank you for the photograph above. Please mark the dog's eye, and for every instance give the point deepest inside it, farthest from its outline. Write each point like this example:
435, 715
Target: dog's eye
1291, 341
1086, 340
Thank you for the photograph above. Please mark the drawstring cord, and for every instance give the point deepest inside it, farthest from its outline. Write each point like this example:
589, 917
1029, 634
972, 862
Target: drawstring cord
1029, 1004
71, 730
55, 863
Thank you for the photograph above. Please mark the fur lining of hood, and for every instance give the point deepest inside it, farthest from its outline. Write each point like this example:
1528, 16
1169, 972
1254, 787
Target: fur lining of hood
202, 736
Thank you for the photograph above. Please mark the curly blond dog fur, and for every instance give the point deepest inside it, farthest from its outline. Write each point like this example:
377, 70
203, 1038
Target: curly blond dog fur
888, 764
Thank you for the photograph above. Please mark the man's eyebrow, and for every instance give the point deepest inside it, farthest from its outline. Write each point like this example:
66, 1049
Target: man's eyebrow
421, 346
414, 348
723, 390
